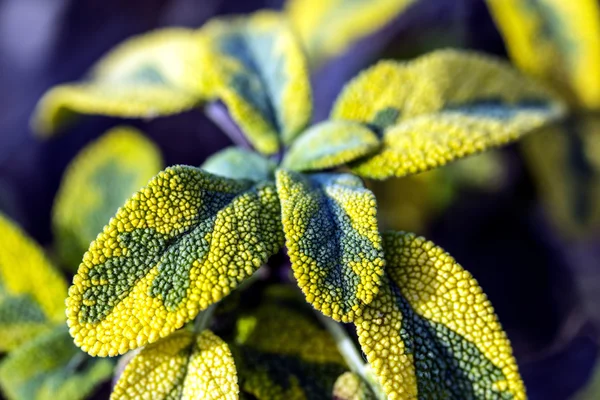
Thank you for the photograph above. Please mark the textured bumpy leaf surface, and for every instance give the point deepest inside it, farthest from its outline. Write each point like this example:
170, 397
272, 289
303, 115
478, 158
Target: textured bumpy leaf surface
96, 183
349, 386
259, 72
432, 332
565, 160
330, 144
159, 73
441, 107
31, 290
178, 245
181, 366
329, 27
50, 367
284, 354
332, 240
238, 163
555, 40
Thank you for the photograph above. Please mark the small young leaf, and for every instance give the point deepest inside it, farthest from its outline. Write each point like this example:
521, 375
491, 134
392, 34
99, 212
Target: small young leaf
259, 72
178, 245
50, 367
27, 278
432, 332
237, 163
330, 144
329, 27
283, 354
332, 239
97, 183
441, 107
349, 386
555, 40
181, 366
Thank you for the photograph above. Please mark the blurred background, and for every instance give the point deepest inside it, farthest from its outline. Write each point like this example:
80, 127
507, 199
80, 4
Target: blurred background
490, 212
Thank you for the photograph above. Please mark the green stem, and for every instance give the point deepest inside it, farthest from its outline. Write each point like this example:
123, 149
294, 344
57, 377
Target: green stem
351, 355
203, 319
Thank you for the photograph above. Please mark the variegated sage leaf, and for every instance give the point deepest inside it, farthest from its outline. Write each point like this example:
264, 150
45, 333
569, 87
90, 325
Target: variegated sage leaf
238, 163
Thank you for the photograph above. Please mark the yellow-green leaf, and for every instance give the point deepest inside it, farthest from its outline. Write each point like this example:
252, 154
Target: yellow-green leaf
432, 332
238, 163
555, 40
332, 240
178, 245
350, 386
330, 144
441, 107
181, 366
258, 70
282, 353
31, 290
50, 367
329, 27
96, 183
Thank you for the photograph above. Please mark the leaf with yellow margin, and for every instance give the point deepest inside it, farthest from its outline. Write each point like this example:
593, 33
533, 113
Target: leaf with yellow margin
178, 245
31, 290
432, 332
328, 27
554, 40
282, 353
349, 386
441, 107
181, 366
238, 163
330, 144
51, 367
258, 70
332, 240
96, 183
159, 73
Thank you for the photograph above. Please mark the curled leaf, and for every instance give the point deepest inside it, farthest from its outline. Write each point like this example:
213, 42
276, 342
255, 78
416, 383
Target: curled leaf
178, 245
432, 332
330, 144
96, 183
238, 163
181, 366
441, 107
332, 239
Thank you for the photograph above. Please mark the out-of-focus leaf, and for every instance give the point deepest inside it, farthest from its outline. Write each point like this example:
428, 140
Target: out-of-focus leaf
565, 160
181, 366
31, 290
330, 144
329, 27
349, 386
238, 163
96, 183
283, 354
258, 70
50, 367
555, 40
432, 332
441, 107
332, 240
178, 245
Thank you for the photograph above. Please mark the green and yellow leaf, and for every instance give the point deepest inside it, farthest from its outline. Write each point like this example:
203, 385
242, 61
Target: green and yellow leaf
328, 27
283, 354
350, 386
50, 367
181, 366
258, 70
330, 144
96, 183
554, 40
178, 245
432, 332
31, 290
441, 107
238, 163
332, 240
